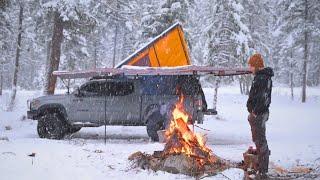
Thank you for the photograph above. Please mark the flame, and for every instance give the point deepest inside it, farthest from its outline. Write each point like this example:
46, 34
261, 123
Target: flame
185, 141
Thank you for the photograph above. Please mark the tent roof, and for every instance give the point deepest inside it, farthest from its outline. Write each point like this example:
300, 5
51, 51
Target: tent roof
148, 45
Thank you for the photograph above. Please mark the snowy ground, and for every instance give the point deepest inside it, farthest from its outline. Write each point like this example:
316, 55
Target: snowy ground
292, 131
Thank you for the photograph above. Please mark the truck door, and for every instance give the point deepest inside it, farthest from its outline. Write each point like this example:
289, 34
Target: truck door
123, 104
88, 106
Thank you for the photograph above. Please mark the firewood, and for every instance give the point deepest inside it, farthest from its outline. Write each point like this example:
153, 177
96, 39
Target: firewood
135, 155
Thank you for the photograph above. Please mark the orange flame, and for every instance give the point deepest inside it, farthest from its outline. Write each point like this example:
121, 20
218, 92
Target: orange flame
190, 143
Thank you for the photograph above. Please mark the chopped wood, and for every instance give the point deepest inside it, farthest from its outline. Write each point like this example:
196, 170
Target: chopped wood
179, 163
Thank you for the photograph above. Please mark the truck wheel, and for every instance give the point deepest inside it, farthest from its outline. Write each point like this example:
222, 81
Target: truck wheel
41, 128
51, 126
155, 123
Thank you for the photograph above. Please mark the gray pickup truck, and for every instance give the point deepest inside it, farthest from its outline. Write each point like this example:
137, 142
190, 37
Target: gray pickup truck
118, 100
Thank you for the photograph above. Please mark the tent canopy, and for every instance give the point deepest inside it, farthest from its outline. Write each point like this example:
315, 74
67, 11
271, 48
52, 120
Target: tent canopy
169, 49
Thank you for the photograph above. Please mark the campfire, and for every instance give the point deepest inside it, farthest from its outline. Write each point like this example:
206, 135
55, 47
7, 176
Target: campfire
185, 152
181, 140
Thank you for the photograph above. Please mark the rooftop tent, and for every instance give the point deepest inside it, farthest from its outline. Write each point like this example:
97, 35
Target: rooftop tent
169, 49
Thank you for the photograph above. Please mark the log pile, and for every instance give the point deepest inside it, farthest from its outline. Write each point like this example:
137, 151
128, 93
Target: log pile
179, 163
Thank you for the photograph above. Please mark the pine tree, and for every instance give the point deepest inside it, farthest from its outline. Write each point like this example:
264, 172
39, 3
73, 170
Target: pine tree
4, 43
227, 37
17, 59
66, 14
299, 19
157, 20
123, 20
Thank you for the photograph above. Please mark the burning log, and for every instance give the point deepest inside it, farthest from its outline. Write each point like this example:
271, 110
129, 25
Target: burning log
182, 140
145, 161
178, 163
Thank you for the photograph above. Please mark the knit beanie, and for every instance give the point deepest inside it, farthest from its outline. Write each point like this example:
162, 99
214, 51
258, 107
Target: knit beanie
256, 61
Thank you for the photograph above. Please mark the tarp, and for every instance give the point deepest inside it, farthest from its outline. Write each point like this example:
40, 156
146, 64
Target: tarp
169, 49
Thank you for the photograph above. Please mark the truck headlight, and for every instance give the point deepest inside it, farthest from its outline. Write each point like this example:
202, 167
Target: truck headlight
34, 104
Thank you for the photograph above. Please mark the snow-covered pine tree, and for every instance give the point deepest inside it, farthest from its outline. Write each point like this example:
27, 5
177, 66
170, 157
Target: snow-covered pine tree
287, 62
17, 58
300, 18
285, 56
5, 31
65, 13
314, 68
258, 16
123, 16
196, 25
149, 22
129, 35
34, 52
227, 36
30, 49
76, 52
155, 20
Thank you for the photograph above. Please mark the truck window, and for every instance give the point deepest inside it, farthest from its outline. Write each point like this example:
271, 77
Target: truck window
92, 89
167, 85
120, 88
101, 88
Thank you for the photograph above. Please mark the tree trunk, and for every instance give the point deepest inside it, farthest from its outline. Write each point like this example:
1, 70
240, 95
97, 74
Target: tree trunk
215, 96
115, 45
95, 56
16, 64
45, 85
247, 84
115, 38
291, 75
291, 85
241, 86
57, 37
306, 55
1, 82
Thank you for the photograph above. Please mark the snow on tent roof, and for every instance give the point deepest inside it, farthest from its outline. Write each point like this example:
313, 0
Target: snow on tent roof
169, 49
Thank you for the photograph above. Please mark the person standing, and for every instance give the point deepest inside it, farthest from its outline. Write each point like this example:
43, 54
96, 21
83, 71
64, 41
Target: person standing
258, 106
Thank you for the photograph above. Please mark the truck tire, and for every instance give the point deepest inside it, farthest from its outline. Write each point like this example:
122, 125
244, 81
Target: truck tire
155, 123
51, 126
41, 128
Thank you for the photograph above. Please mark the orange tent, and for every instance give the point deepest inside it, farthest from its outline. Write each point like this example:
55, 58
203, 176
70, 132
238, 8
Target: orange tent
169, 49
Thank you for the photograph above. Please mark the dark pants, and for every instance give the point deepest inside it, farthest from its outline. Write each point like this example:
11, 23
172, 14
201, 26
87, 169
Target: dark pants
258, 130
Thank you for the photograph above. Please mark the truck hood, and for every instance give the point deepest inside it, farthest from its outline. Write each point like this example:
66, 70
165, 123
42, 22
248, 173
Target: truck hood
52, 97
